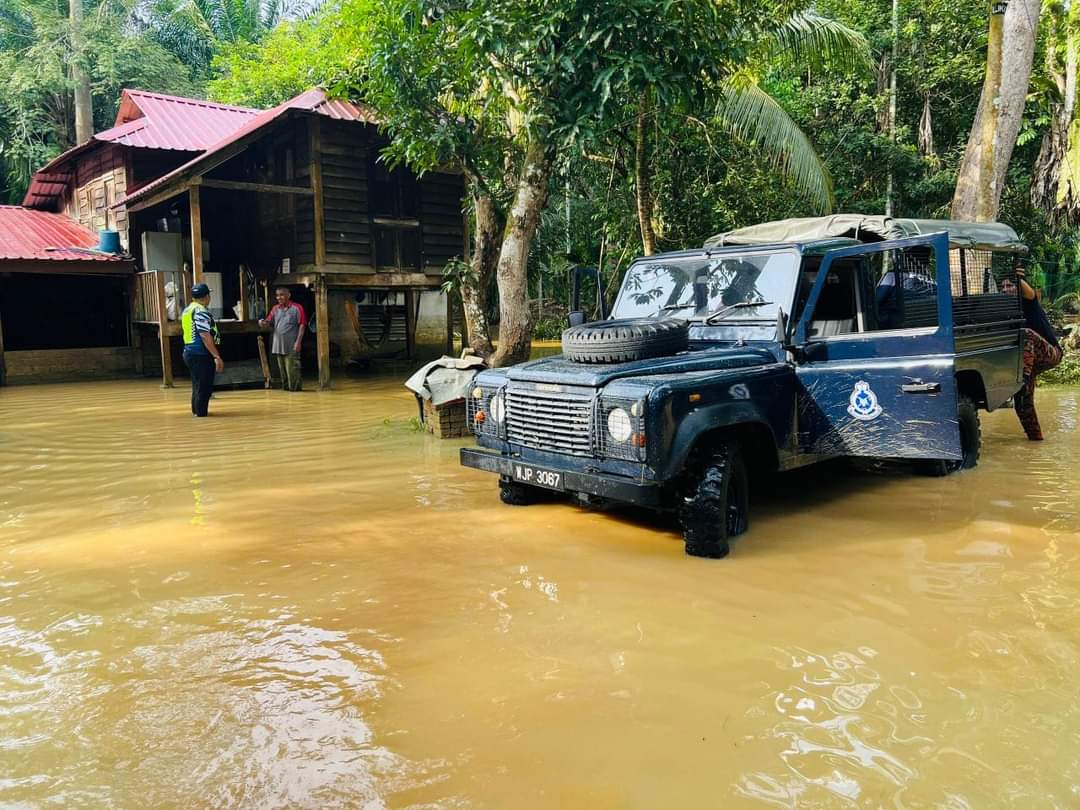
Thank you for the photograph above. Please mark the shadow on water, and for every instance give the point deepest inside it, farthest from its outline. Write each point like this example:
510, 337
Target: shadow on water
842, 501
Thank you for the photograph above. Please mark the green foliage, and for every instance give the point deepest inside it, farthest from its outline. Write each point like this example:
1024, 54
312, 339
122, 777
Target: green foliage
549, 328
292, 58
36, 110
1067, 372
466, 81
752, 115
196, 31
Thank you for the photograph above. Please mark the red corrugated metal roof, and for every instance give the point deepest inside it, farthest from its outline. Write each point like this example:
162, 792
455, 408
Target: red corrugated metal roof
27, 235
155, 121
314, 100
147, 121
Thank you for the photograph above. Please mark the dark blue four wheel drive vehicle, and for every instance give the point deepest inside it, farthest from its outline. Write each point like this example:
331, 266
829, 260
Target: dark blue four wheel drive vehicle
771, 348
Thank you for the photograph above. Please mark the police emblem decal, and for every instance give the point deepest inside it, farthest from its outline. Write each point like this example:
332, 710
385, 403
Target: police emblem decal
863, 403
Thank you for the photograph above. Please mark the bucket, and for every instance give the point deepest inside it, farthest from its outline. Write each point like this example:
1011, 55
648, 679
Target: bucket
109, 241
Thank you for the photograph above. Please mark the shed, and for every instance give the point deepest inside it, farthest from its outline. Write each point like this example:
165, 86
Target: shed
64, 308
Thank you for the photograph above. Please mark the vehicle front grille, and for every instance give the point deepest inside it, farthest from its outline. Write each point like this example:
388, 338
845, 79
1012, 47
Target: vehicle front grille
559, 422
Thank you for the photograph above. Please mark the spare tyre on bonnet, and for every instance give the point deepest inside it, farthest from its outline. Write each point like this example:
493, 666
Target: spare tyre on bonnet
625, 339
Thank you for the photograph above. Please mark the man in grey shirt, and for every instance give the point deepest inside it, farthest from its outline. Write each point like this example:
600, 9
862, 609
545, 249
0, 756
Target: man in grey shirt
289, 322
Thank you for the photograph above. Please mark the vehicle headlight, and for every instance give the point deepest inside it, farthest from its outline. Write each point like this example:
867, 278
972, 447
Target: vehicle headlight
497, 408
619, 425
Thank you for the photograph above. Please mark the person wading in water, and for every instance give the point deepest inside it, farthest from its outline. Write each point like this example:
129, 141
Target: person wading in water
1041, 353
201, 355
289, 322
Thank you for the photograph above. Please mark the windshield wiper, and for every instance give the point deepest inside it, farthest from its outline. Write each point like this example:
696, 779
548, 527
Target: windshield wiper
725, 310
671, 307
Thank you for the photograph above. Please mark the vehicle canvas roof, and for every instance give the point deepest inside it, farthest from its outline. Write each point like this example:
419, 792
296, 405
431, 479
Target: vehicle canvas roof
866, 228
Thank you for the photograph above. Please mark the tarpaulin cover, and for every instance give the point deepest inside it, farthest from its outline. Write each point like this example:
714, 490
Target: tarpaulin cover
446, 379
978, 235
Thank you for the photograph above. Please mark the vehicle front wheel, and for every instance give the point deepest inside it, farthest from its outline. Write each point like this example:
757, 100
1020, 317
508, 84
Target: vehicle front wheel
514, 494
717, 508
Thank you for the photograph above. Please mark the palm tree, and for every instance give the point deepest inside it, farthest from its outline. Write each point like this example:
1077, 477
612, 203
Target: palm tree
196, 30
747, 112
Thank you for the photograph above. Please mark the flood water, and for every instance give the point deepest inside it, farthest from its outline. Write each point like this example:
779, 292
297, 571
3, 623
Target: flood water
302, 603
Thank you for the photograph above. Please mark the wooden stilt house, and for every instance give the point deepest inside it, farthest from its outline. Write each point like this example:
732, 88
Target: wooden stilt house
247, 200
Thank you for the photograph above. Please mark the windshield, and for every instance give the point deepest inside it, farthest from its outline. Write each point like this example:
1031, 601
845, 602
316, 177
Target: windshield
736, 287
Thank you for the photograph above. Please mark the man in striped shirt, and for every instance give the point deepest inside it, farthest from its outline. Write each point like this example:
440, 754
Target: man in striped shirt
289, 322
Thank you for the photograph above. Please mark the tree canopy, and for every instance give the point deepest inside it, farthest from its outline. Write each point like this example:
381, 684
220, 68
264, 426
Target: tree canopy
651, 123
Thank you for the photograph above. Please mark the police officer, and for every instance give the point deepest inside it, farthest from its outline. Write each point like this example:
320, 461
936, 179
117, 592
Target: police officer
201, 355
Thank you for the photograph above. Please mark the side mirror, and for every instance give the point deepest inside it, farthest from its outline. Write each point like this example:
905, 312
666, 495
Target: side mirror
576, 318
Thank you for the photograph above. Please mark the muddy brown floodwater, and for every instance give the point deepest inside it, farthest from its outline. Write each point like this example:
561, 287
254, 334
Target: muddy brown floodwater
301, 602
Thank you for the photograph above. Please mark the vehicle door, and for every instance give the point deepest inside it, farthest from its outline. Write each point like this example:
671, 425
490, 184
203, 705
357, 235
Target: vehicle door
874, 353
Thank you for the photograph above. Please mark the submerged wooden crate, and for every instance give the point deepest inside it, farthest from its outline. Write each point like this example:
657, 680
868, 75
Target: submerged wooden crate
446, 421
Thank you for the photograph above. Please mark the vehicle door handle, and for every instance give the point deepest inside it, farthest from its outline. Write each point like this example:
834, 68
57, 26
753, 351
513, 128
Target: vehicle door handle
921, 388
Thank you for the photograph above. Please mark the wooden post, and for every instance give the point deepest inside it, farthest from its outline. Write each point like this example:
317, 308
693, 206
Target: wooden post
315, 149
263, 360
410, 324
3, 365
196, 234
449, 322
322, 337
163, 330
135, 331
243, 313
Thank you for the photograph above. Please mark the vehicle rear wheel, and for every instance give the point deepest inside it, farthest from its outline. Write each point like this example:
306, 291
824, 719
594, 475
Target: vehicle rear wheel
514, 494
718, 506
967, 414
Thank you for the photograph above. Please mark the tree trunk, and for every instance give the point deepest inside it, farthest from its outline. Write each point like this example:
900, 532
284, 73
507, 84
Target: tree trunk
891, 181
1055, 184
515, 325
1009, 54
474, 288
84, 102
643, 176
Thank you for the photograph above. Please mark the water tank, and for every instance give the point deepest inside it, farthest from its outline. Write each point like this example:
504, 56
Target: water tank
109, 241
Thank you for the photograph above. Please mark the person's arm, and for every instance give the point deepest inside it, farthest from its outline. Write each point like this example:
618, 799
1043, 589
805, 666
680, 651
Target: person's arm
269, 319
202, 329
300, 331
208, 342
1026, 289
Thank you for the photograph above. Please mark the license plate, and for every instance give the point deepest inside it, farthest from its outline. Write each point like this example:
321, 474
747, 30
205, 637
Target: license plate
534, 476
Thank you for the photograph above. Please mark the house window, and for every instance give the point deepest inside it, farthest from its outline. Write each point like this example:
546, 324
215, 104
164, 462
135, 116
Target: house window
395, 210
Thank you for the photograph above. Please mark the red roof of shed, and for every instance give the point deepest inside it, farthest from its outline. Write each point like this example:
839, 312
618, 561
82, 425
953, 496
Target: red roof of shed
37, 236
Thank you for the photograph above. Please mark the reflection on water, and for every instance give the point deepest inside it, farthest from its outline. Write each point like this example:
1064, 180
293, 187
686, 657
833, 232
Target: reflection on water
302, 603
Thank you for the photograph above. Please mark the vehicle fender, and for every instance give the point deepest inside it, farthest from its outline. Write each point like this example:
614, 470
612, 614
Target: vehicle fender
710, 418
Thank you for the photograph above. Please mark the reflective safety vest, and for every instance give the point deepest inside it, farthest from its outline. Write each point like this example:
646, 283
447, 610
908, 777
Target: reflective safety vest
188, 322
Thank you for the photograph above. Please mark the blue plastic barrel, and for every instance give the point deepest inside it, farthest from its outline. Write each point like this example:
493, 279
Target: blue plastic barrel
109, 241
